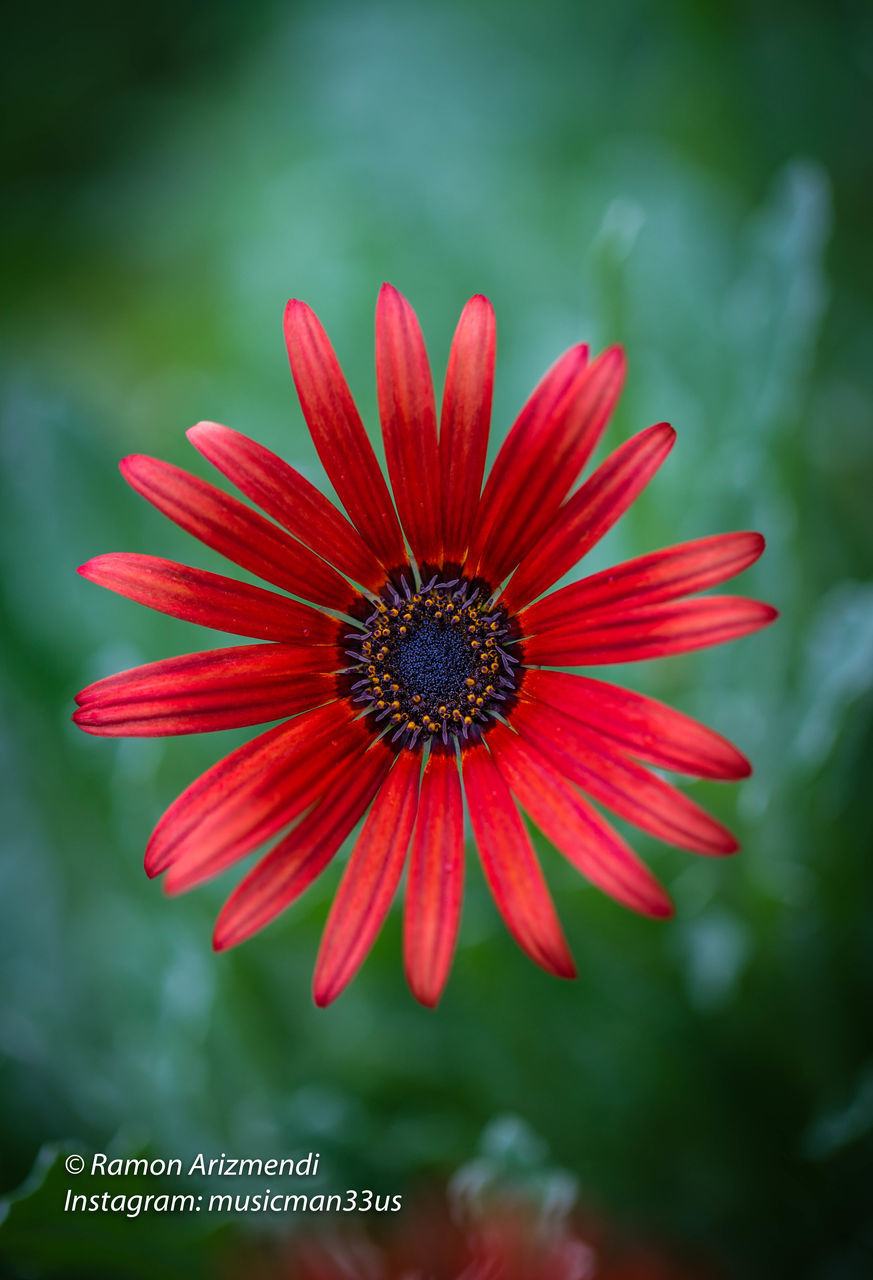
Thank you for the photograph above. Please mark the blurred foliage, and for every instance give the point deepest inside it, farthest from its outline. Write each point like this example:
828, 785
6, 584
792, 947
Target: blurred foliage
40, 1239
686, 179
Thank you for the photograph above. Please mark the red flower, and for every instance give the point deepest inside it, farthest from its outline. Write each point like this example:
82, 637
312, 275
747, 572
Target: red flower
503, 1242
413, 649
497, 1238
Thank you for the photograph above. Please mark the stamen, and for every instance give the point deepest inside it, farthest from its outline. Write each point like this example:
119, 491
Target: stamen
432, 662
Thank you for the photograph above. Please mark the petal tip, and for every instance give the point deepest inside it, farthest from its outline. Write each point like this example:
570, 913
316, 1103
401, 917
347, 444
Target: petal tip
479, 311
393, 299
755, 543
427, 999
567, 971
155, 860
742, 767
323, 994
297, 314
220, 939
425, 990
133, 464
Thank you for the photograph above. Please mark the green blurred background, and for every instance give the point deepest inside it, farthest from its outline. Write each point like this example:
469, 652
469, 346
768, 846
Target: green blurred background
691, 180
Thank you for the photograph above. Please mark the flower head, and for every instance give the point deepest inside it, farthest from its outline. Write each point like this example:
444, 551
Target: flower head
411, 649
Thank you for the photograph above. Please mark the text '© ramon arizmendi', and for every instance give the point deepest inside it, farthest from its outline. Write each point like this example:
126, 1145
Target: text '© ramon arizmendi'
222, 1166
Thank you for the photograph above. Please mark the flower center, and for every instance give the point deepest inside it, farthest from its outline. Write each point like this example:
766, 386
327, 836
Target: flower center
433, 662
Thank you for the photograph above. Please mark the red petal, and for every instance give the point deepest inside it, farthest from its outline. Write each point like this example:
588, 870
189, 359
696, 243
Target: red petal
237, 532
549, 445
435, 883
464, 423
201, 692
623, 786
511, 867
210, 600
302, 787
370, 881
289, 498
575, 827
656, 631
638, 725
249, 795
408, 415
296, 861
339, 435
589, 514
647, 580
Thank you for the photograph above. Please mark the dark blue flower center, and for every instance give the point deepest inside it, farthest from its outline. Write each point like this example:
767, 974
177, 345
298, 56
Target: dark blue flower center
434, 663
434, 659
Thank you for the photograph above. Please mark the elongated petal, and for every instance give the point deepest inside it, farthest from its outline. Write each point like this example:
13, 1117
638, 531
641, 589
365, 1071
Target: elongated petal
237, 532
589, 513
434, 889
303, 784
289, 497
301, 856
210, 600
408, 415
546, 409
655, 631
549, 445
575, 827
620, 784
647, 580
511, 866
202, 692
339, 435
638, 725
247, 796
369, 882
464, 423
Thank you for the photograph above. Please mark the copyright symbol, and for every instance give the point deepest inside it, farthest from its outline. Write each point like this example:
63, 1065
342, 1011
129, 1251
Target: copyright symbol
74, 1164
